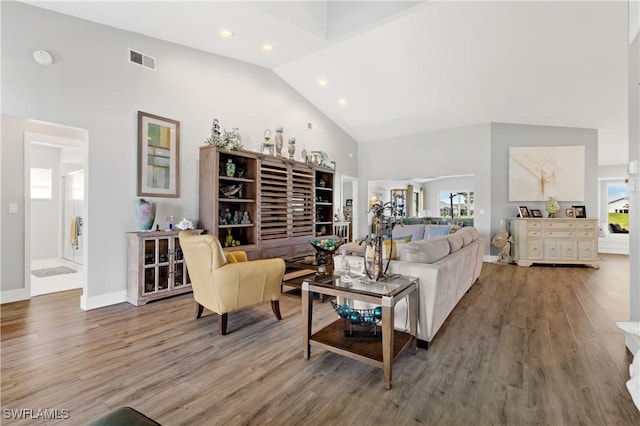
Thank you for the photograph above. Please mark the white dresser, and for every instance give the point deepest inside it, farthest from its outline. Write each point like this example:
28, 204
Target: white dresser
558, 241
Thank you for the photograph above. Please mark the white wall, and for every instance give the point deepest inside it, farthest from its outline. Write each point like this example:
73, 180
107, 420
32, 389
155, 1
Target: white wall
91, 86
504, 136
45, 214
482, 151
459, 151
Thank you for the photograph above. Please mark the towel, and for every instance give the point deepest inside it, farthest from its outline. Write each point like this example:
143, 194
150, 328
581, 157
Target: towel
73, 234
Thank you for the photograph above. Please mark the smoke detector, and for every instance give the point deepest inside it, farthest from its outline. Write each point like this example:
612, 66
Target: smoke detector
42, 57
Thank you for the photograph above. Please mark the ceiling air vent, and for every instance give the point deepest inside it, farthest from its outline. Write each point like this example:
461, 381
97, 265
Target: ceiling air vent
144, 60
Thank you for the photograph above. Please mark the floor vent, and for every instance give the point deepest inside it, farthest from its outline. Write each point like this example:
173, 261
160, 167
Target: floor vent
144, 60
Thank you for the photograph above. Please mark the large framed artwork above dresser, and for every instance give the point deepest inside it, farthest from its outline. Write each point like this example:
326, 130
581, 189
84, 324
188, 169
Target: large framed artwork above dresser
562, 241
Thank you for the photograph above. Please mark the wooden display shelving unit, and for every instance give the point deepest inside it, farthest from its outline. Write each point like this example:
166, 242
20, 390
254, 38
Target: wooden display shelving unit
324, 201
288, 202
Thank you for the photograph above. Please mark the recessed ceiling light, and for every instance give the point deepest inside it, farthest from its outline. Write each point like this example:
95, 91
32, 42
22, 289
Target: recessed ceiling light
226, 34
322, 82
342, 101
267, 47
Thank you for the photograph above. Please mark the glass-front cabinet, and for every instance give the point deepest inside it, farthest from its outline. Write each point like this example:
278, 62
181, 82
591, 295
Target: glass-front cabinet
156, 266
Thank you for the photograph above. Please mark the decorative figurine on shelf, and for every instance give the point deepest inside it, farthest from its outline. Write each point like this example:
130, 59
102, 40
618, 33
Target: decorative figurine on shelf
169, 220
279, 141
229, 140
237, 217
229, 241
267, 144
185, 224
230, 168
552, 207
292, 147
320, 158
245, 218
305, 155
227, 216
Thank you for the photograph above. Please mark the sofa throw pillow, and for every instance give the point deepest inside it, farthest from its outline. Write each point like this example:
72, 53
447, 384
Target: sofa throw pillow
434, 231
416, 231
399, 247
405, 238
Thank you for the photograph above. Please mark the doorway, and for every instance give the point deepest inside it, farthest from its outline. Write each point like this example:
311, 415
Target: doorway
349, 205
55, 211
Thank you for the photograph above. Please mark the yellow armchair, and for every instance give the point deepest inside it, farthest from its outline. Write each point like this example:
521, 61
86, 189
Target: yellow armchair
227, 282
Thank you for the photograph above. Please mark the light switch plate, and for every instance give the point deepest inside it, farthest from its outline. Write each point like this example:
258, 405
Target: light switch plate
13, 208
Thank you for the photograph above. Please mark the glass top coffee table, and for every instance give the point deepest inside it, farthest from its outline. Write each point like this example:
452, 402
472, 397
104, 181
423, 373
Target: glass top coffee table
334, 337
299, 269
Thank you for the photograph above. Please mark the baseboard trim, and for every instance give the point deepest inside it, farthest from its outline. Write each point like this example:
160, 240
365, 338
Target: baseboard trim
16, 295
95, 302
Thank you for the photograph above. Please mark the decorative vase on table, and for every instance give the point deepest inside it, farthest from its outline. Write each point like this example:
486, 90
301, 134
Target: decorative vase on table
145, 214
378, 271
325, 249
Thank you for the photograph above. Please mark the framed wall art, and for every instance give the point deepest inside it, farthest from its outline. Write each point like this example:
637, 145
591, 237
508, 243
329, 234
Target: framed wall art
536, 173
158, 156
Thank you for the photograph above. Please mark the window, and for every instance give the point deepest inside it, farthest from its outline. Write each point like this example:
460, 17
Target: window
456, 204
618, 207
41, 186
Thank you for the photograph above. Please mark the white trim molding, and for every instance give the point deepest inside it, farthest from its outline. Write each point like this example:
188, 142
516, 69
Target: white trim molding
94, 302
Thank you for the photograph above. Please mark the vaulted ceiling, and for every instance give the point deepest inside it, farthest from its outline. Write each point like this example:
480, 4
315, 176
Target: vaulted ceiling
408, 67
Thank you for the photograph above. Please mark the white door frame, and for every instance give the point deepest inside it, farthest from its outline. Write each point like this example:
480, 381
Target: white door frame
60, 142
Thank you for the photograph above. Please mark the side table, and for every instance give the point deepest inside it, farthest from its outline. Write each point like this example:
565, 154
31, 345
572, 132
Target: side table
386, 293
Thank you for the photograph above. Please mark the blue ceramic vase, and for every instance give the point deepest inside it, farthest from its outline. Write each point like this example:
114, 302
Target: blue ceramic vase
145, 214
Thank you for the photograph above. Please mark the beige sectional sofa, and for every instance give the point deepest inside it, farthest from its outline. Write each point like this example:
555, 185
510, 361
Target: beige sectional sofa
447, 267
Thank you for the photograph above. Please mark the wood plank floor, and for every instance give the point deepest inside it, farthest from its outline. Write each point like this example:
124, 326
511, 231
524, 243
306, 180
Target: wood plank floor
525, 346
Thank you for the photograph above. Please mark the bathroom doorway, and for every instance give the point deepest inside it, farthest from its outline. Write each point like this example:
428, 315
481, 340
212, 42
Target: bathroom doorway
55, 211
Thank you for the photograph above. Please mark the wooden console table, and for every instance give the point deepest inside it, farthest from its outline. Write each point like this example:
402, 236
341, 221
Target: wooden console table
386, 293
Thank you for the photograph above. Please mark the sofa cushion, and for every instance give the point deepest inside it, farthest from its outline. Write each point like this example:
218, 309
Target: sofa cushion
434, 231
474, 232
416, 231
455, 242
426, 251
466, 236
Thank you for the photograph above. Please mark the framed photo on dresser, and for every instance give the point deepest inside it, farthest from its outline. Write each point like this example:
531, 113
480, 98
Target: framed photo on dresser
579, 212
